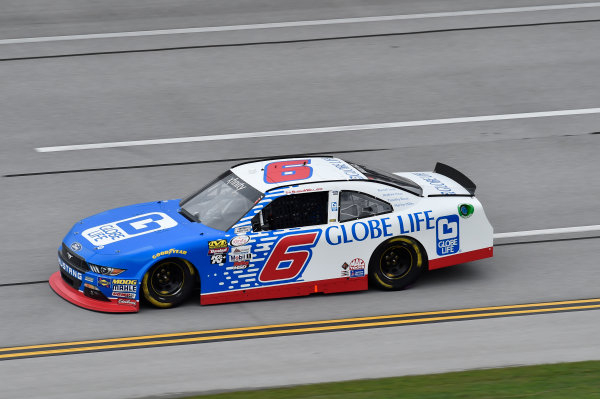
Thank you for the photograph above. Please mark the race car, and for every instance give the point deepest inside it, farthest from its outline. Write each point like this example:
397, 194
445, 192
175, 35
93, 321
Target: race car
275, 228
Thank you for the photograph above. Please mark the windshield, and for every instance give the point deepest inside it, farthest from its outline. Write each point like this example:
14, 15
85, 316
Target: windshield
222, 203
395, 180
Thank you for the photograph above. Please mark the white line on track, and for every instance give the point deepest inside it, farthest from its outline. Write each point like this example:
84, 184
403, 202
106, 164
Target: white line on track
291, 24
562, 230
319, 130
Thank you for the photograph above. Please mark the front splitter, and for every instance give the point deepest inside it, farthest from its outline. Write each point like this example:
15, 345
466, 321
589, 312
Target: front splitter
76, 297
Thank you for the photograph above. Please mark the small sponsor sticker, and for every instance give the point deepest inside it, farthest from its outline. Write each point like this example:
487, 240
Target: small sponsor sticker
240, 265
242, 229
357, 267
103, 282
466, 210
218, 251
124, 295
345, 271
217, 244
217, 259
245, 256
241, 250
239, 241
169, 252
127, 302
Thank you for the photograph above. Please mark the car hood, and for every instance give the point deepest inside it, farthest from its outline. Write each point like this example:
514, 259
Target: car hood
136, 229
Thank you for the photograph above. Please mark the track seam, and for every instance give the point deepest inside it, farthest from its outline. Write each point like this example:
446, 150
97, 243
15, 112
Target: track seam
117, 52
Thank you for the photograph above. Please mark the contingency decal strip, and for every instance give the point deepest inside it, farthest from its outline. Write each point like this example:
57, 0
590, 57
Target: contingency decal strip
194, 337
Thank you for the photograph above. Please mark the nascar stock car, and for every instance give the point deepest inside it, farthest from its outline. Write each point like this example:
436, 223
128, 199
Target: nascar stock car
275, 228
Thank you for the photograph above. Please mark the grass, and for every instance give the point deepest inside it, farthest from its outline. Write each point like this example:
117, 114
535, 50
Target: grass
562, 380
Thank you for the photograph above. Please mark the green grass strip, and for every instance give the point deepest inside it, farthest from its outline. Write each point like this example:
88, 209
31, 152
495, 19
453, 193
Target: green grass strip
550, 381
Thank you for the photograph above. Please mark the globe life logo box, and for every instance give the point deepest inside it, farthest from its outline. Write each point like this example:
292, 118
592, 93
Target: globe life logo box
447, 237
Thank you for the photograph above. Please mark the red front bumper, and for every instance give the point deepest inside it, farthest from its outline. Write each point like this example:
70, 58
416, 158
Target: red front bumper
77, 298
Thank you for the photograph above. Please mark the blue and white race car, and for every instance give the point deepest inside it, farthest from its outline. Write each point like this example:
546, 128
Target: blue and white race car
275, 228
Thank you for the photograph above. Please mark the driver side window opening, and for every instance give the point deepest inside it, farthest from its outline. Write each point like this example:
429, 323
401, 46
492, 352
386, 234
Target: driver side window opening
355, 205
296, 210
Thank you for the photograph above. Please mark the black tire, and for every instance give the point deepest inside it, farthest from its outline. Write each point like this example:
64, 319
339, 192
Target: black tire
397, 263
168, 283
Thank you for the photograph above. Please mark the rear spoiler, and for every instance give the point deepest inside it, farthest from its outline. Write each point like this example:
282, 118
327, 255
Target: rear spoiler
455, 175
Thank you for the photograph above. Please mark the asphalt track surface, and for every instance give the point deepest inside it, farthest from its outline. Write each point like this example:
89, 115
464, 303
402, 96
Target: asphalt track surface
531, 174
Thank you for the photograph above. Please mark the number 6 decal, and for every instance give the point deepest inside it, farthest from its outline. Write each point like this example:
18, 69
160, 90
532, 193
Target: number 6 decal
289, 257
284, 171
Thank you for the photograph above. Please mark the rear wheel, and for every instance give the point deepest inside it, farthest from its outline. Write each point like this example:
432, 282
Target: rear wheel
168, 283
396, 263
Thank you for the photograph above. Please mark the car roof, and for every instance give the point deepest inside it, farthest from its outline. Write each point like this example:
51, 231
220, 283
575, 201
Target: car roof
268, 174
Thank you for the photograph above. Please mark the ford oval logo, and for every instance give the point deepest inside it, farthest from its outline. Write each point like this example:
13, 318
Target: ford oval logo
76, 246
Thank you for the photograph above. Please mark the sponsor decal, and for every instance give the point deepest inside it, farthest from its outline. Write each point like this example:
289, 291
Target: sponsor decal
127, 302
466, 210
239, 240
216, 244
76, 246
348, 170
120, 285
124, 295
438, 185
242, 249
242, 229
217, 259
169, 252
357, 264
104, 282
415, 221
345, 271
358, 231
217, 251
69, 269
240, 265
334, 206
128, 228
236, 183
447, 237
357, 267
240, 257
335, 193
89, 278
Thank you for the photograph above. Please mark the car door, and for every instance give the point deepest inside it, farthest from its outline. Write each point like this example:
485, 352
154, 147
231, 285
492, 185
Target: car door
285, 235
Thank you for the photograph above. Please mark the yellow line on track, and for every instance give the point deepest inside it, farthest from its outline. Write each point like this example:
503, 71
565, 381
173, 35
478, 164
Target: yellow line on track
297, 330
269, 326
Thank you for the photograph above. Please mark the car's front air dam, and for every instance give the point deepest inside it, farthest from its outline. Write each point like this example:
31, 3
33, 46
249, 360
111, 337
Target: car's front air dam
77, 298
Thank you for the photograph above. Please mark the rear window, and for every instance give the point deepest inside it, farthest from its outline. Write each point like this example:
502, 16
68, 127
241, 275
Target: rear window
390, 178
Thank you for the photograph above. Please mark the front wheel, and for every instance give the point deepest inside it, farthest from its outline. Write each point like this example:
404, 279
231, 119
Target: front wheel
396, 263
168, 283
